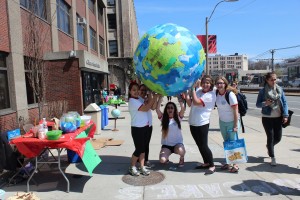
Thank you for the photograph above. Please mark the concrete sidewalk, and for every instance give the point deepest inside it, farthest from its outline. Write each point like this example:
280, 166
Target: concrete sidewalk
256, 179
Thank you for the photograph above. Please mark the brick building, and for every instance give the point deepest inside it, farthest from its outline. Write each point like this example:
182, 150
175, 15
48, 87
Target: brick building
86, 45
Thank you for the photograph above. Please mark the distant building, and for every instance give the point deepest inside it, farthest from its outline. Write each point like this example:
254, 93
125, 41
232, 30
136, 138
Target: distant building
87, 45
227, 66
293, 67
122, 39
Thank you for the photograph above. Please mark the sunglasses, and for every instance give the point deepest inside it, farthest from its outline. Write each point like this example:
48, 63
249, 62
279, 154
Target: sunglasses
272, 79
170, 107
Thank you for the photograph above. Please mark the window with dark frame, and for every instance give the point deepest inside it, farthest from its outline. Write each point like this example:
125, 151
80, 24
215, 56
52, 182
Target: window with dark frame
39, 7
93, 41
63, 16
112, 23
113, 48
81, 32
4, 90
92, 5
101, 46
31, 97
111, 2
100, 14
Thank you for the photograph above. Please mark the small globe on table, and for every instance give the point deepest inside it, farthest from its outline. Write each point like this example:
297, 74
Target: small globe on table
115, 113
169, 59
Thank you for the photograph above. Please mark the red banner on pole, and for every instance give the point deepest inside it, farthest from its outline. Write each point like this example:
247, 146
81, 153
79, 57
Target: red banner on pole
212, 42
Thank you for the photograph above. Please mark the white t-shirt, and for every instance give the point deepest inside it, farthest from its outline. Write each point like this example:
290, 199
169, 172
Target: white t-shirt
199, 115
224, 109
138, 118
174, 134
149, 113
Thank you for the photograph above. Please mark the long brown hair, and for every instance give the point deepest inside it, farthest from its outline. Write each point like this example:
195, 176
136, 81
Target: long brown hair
166, 120
211, 81
268, 76
130, 87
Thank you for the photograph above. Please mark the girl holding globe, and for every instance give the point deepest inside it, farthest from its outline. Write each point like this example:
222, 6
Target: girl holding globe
139, 127
202, 104
172, 140
143, 97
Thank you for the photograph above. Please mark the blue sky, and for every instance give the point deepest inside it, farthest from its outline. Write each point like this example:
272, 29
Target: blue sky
250, 27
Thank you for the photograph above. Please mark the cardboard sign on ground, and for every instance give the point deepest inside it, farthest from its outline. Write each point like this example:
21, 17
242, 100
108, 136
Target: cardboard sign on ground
102, 142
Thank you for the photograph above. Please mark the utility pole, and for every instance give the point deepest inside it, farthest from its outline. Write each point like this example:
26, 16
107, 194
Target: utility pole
272, 60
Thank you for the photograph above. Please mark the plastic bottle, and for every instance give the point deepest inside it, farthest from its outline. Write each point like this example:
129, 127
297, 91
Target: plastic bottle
42, 134
45, 125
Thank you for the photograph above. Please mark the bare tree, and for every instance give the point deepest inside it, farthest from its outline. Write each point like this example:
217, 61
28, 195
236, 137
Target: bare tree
35, 36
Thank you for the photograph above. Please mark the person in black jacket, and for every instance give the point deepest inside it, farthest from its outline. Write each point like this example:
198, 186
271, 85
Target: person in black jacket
8, 157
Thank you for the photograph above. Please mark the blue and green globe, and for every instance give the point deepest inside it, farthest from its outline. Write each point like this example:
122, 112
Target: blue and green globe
169, 59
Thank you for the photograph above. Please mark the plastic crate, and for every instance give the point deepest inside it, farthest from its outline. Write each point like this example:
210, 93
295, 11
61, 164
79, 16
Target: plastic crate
73, 157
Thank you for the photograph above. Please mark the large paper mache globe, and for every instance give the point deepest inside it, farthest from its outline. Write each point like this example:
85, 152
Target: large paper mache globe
169, 59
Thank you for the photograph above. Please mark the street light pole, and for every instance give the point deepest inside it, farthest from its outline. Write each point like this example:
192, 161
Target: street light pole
206, 32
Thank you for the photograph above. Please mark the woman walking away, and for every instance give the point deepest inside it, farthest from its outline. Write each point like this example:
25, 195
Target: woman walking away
139, 127
172, 140
143, 97
228, 115
274, 109
202, 103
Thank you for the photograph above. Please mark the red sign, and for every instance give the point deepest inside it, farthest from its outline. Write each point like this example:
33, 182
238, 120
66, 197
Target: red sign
212, 42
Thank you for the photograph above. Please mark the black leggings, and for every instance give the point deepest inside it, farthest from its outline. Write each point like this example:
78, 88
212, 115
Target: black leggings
200, 135
147, 142
273, 131
138, 135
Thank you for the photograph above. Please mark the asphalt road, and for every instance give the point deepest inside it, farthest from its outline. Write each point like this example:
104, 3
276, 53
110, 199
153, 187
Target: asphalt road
293, 102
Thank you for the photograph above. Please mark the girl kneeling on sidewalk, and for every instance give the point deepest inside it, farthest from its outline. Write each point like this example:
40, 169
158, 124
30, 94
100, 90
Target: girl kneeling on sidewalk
172, 141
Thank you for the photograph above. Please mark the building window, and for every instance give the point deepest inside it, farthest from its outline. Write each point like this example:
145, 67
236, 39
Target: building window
39, 7
4, 93
111, 2
100, 14
92, 5
31, 97
112, 21
101, 46
63, 16
93, 42
113, 48
80, 31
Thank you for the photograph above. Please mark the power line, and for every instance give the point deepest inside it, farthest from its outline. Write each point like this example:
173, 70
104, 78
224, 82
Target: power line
286, 48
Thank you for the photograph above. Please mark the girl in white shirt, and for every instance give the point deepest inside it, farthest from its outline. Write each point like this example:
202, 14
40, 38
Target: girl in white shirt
143, 97
172, 141
202, 103
139, 127
228, 115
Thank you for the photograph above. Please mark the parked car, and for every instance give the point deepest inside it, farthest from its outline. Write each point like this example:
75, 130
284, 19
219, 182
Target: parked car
295, 83
284, 84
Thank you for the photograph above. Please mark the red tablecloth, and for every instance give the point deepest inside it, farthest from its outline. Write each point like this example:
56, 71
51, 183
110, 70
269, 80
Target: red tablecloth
32, 147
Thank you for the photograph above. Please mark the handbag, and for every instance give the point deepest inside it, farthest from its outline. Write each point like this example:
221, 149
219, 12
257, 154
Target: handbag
289, 119
235, 151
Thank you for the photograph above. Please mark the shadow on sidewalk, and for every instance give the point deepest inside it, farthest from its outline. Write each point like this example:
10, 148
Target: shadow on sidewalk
263, 188
110, 165
51, 180
280, 168
293, 136
295, 150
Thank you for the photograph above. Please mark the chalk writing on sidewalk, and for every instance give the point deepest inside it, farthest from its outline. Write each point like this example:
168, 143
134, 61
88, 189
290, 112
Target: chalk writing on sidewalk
213, 190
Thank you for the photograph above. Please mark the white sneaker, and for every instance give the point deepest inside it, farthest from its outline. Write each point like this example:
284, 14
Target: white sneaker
144, 171
273, 161
133, 171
